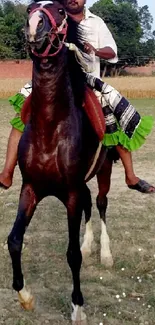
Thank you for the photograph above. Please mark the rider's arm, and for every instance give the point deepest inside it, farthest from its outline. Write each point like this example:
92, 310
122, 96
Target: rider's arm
105, 53
107, 48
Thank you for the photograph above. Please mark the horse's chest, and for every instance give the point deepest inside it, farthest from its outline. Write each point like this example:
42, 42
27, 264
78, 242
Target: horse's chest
42, 162
51, 157
51, 163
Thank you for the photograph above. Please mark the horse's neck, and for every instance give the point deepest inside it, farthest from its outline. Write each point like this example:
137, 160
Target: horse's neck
51, 93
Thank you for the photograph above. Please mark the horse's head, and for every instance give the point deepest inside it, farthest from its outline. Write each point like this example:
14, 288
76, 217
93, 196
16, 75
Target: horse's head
46, 28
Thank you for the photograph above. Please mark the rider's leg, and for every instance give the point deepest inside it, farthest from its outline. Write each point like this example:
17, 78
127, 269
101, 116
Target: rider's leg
112, 97
125, 155
130, 176
17, 101
126, 158
6, 175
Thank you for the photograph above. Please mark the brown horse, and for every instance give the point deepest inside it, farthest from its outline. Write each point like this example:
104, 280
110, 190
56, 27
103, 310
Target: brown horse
58, 145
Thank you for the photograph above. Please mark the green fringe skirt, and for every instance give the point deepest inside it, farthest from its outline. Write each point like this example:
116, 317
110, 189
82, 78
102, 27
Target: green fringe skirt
116, 138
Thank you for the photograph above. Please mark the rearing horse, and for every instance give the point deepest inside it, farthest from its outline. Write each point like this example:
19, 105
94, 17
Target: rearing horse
58, 144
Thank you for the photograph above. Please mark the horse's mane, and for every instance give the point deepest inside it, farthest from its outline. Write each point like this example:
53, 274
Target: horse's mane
75, 33
76, 36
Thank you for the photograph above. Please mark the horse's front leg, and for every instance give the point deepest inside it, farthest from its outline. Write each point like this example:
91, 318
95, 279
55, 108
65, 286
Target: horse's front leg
74, 209
27, 204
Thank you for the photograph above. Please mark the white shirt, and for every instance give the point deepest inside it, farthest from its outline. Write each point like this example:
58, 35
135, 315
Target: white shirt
99, 36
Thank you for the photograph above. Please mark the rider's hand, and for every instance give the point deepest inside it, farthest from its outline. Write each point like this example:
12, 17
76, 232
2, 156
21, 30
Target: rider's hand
88, 48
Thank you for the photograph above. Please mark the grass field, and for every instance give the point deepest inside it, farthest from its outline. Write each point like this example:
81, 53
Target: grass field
134, 87
131, 227
131, 87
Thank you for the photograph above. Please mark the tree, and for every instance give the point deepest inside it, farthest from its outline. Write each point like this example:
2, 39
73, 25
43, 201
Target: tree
131, 28
131, 2
146, 21
12, 21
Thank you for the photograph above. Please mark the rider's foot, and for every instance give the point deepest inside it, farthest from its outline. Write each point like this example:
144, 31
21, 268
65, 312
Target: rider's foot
132, 180
5, 180
140, 185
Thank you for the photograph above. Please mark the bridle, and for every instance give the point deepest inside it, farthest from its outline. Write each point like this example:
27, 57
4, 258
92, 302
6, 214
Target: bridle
58, 33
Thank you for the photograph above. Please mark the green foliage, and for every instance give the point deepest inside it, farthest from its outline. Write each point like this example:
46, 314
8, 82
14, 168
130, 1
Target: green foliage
131, 28
131, 2
129, 24
12, 21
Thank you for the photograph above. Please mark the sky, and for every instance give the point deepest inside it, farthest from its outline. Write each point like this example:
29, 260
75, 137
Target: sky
150, 3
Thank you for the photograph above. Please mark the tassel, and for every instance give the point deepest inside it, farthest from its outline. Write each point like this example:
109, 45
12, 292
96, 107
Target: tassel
87, 61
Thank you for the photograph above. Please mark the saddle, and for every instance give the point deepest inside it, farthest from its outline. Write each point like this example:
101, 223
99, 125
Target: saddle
91, 106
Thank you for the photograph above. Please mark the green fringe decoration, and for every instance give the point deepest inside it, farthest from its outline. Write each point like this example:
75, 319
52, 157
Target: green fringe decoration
17, 124
131, 144
117, 138
17, 102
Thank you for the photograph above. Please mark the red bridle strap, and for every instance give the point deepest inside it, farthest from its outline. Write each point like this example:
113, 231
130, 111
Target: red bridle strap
55, 32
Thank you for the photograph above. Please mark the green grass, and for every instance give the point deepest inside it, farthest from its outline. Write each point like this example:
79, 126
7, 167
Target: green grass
144, 106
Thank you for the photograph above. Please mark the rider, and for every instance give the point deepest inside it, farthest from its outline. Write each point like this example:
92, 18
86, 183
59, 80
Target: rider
104, 46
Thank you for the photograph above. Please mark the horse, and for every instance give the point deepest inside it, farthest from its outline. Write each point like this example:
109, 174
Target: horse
58, 145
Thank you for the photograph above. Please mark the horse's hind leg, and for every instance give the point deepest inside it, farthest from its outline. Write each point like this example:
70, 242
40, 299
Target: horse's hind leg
74, 206
86, 247
27, 204
103, 178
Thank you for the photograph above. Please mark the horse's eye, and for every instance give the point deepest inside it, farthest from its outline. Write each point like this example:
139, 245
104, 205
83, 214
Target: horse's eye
61, 11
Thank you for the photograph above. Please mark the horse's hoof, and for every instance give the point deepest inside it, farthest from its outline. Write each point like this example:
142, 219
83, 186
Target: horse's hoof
107, 261
28, 305
26, 299
78, 316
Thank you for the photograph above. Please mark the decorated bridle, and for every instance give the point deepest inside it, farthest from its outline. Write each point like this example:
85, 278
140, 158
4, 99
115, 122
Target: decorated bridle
56, 32
60, 33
